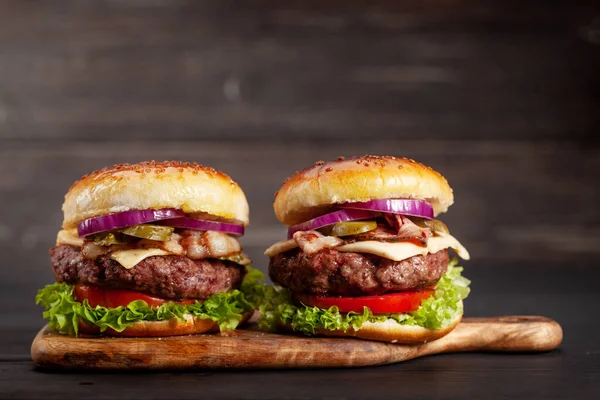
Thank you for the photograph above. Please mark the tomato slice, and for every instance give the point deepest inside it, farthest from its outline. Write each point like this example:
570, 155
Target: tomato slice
384, 304
113, 298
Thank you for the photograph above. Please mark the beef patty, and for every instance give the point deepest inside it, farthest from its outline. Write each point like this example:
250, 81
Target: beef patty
171, 277
334, 273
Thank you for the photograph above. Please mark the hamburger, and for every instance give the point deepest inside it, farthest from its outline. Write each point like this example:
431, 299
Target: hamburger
151, 249
365, 256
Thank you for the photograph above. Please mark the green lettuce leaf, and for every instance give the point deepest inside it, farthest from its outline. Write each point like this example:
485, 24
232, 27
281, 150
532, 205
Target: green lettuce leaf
64, 312
436, 312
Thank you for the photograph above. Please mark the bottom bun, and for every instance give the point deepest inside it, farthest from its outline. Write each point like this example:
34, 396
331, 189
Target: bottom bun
391, 331
170, 327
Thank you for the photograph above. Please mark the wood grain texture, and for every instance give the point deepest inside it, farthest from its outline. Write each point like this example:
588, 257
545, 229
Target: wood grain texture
254, 349
190, 69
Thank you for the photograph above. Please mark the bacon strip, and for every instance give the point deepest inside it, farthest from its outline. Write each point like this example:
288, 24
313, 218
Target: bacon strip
409, 230
312, 242
193, 244
406, 230
209, 244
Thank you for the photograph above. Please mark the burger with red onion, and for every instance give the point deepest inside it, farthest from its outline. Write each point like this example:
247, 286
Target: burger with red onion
151, 249
365, 256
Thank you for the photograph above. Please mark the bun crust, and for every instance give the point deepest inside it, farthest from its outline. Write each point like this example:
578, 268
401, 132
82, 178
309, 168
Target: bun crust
313, 191
392, 332
171, 327
192, 188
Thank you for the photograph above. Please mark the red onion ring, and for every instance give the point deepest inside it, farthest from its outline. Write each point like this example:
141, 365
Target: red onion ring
204, 225
330, 219
416, 208
124, 219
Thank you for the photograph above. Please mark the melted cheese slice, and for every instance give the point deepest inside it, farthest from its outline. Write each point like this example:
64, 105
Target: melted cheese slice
392, 251
70, 237
403, 250
130, 258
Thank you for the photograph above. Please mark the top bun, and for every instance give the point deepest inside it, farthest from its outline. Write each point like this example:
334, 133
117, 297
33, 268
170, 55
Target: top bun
313, 191
191, 188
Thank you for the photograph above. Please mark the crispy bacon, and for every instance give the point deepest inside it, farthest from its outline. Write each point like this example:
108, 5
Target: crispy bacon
281, 247
382, 233
209, 244
91, 251
393, 220
312, 242
410, 231
172, 246
193, 244
400, 229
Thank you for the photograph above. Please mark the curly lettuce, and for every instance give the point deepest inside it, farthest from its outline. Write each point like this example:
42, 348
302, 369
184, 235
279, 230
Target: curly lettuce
64, 312
434, 313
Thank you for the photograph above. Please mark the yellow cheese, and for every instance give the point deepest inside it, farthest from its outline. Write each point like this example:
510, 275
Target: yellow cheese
130, 258
70, 237
393, 251
403, 250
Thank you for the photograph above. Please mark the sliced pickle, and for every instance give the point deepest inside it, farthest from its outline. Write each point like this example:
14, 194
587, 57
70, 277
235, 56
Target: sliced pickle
151, 232
352, 228
239, 258
434, 224
108, 239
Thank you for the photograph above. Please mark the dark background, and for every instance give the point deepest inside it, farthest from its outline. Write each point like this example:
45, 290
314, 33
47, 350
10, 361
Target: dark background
502, 97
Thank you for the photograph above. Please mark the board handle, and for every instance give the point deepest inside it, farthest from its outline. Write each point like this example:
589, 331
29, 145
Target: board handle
519, 333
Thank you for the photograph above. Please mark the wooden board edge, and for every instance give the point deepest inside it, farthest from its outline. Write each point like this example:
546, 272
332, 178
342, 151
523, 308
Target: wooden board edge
254, 349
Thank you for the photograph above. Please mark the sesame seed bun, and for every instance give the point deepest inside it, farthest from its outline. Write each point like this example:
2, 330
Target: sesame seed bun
191, 188
313, 191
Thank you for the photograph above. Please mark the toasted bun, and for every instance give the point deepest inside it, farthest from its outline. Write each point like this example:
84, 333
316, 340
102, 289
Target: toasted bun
192, 188
392, 332
171, 327
313, 191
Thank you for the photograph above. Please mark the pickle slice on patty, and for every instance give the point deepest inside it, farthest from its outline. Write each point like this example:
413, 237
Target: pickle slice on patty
148, 231
239, 258
352, 228
434, 224
109, 239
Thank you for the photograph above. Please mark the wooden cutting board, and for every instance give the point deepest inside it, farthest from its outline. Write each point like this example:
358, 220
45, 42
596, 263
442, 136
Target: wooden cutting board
252, 348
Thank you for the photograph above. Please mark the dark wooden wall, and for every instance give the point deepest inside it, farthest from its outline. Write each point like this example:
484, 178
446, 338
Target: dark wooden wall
501, 97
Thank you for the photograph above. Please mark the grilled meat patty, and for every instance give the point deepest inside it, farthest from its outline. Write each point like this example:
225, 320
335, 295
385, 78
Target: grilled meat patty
334, 273
170, 277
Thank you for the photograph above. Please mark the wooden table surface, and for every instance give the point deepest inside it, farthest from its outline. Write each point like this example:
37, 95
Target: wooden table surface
568, 295
502, 97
